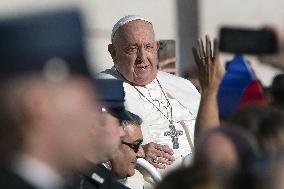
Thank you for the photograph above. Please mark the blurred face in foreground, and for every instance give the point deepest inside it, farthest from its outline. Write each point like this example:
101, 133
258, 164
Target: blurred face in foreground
60, 120
108, 136
90, 134
224, 156
80, 124
134, 52
124, 162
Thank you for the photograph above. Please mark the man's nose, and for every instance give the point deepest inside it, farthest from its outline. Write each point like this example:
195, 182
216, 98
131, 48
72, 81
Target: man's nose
140, 153
141, 55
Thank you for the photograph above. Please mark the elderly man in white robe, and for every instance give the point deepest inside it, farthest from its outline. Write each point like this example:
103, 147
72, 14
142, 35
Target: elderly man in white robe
168, 105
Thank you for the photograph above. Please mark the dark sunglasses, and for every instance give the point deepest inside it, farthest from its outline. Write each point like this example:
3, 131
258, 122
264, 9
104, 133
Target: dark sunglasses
133, 146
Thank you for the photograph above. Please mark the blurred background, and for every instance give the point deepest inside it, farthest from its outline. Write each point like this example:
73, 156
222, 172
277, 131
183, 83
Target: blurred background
181, 20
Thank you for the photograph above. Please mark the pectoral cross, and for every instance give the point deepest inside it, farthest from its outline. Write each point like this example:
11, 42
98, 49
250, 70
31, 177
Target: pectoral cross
174, 134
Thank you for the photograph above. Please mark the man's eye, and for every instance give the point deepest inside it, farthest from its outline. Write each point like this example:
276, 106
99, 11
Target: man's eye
131, 49
149, 46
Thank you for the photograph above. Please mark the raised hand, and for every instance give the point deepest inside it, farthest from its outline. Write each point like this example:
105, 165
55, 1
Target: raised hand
210, 75
207, 60
277, 59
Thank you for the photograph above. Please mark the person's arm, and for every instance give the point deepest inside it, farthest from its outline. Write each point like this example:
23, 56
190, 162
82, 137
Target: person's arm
210, 75
163, 65
276, 60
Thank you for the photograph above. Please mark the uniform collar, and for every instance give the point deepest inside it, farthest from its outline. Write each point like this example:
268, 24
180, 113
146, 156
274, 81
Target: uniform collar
37, 173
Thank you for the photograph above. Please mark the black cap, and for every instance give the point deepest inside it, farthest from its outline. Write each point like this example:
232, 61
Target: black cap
29, 42
111, 97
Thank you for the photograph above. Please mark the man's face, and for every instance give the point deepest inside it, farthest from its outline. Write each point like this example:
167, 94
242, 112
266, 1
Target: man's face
108, 136
123, 164
89, 134
134, 52
74, 118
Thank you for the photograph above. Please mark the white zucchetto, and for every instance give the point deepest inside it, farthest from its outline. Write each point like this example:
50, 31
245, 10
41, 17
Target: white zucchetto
124, 20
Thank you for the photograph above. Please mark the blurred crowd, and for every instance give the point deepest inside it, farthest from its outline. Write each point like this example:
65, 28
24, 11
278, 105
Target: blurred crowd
246, 149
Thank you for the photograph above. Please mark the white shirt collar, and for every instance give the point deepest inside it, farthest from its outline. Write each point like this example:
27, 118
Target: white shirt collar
37, 173
152, 84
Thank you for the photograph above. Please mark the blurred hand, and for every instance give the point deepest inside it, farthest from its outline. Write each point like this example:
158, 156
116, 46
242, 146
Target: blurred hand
163, 65
210, 69
277, 59
158, 155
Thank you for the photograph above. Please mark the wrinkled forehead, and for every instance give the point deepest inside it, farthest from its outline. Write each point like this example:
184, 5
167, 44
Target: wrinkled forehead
135, 30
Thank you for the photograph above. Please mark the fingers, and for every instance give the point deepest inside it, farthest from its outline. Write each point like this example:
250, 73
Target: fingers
166, 154
197, 58
200, 48
208, 63
199, 64
166, 67
158, 155
167, 61
195, 54
161, 160
208, 46
165, 148
164, 161
216, 60
158, 165
169, 70
216, 49
204, 59
200, 51
206, 55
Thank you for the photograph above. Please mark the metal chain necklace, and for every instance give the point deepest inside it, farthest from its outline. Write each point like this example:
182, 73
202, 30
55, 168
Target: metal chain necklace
173, 132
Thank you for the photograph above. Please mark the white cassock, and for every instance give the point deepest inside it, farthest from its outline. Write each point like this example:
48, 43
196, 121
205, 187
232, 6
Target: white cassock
153, 102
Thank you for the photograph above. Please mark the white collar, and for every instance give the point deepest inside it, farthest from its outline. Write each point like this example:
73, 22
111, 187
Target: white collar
37, 173
152, 84
149, 86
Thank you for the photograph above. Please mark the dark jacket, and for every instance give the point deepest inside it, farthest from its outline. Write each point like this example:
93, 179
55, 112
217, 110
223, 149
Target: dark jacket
10, 180
99, 178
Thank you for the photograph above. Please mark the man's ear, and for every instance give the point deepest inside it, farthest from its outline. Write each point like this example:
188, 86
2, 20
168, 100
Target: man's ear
112, 52
158, 45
